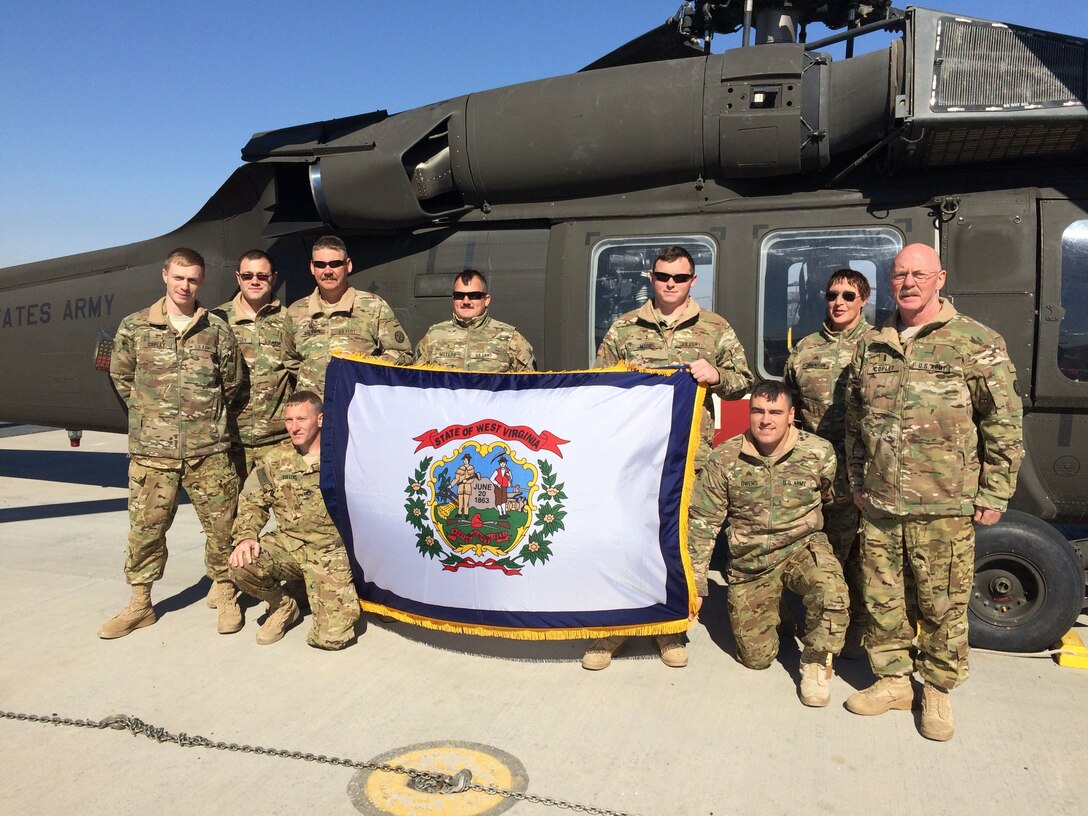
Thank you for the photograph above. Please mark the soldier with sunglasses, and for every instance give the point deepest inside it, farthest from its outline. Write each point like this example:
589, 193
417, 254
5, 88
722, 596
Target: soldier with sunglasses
473, 340
259, 322
816, 375
669, 330
337, 317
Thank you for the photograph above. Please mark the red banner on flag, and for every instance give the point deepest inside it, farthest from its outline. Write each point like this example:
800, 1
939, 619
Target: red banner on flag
545, 440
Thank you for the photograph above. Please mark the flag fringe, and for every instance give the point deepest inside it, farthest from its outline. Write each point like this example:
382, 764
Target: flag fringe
695, 439
664, 628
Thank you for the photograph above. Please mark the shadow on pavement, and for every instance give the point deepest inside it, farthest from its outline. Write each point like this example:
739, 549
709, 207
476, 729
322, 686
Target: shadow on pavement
45, 511
71, 467
187, 597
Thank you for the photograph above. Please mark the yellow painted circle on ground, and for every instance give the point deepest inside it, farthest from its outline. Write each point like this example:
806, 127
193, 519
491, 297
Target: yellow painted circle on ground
385, 793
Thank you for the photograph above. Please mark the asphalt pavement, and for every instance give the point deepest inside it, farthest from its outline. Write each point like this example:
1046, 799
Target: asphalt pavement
712, 738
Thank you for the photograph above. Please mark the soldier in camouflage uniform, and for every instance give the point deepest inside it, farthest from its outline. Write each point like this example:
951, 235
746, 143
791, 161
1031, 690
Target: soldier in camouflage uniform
304, 546
473, 340
816, 374
337, 318
177, 367
771, 483
258, 322
933, 442
673, 330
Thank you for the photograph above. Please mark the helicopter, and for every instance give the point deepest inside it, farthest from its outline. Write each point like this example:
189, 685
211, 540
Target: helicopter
772, 163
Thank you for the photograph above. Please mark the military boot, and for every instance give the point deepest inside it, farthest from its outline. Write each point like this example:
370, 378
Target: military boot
282, 612
937, 723
138, 614
673, 653
599, 654
885, 694
816, 683
211, 597
229, 617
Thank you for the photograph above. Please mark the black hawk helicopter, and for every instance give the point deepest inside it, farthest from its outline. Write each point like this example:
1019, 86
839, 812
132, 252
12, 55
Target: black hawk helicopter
772, 163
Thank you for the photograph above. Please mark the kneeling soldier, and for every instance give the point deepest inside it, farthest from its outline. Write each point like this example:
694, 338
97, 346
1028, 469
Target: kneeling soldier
304, 546
770, 482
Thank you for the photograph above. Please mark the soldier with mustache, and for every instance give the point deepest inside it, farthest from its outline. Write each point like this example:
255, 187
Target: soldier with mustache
933, 444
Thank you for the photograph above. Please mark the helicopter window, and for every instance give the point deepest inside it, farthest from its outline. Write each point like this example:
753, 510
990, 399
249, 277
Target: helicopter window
795, 266
621, 276
1073, 330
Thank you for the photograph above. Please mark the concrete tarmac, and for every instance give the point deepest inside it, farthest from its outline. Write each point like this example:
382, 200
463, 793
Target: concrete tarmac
713, 738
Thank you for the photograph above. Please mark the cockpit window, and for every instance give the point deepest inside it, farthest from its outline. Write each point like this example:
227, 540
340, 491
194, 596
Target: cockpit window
795, 266
621, 277
1073, 329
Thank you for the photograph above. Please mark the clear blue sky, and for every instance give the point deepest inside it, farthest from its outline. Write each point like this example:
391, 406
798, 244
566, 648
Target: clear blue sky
118, 120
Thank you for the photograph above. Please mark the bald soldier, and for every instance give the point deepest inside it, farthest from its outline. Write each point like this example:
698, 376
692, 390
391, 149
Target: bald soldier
337, 318
474, 340
933, 443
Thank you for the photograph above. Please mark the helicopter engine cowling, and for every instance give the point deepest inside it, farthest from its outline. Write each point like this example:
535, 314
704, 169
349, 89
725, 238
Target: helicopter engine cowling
753, 112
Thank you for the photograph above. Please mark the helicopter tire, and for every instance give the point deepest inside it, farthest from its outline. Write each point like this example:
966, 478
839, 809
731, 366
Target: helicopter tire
1028, 585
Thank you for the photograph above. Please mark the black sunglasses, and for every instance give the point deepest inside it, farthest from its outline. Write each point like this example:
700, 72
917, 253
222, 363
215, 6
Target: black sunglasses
469, 295
330, 264
848, 296
261, 276
665, 277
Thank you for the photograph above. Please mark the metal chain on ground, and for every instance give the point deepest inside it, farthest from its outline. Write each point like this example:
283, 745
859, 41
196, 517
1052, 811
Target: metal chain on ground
136, 726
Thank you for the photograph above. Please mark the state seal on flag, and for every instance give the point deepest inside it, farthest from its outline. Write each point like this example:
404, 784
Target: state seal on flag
479, 504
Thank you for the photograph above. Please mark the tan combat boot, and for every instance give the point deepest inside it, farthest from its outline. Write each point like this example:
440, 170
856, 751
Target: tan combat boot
816, 683
229, 617
138, 614
210, 598
599, 654
282, 612
673, 653
885, 694
937, 723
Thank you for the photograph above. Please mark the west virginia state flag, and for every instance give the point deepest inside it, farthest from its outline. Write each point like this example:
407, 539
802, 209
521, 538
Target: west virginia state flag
519, 505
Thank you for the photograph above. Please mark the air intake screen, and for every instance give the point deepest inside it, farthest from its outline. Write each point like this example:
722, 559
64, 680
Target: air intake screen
1002, 142
982, 66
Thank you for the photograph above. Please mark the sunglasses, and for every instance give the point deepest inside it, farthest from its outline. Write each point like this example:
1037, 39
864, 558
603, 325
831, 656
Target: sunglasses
469, 295
330, 264
665, 277
848, 296
248, 276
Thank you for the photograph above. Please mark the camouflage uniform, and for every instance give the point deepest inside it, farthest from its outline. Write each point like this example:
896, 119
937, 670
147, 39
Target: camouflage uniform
816, 374
644, 338
479, 344
258, 409
774, 510
304, 546
361, 323
933, 430
177, 388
